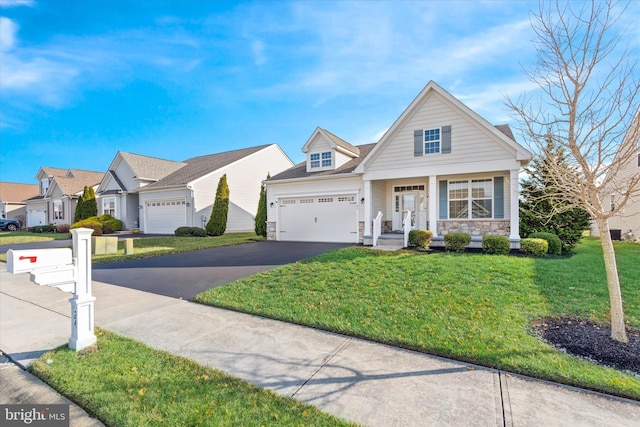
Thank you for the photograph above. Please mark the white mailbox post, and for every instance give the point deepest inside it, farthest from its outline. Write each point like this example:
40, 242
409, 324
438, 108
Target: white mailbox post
68, 271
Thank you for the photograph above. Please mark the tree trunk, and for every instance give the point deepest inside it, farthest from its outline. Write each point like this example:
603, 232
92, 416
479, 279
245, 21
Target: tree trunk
618, 331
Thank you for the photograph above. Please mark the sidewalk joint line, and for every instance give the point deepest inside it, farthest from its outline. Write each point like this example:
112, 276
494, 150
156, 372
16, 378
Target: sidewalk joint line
37, 305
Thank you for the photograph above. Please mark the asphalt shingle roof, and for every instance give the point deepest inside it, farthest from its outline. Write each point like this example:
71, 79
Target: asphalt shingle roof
300, 170
197, 167
76, 180
152, 168
15, 192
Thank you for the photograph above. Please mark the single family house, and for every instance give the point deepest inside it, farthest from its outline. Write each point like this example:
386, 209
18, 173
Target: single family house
117, 194
59, 192
12, 196
442, 163
185, 196
626, 223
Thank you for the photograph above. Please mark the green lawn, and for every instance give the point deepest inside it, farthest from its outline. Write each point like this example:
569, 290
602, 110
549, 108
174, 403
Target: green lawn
471, 307
143, 247
16, 237
126, 383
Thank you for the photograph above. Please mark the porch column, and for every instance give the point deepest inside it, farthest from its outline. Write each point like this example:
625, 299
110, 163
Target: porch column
433, 209
515, 206
367, 208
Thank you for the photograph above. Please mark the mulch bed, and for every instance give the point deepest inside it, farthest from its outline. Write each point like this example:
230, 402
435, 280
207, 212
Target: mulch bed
591, 341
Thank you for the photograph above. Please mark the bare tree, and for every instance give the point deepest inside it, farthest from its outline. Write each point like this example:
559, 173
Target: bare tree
586, 108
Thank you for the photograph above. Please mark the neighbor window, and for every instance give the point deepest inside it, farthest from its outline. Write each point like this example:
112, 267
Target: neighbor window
57, 210
109, 206
480, 199
315, 159
431, 141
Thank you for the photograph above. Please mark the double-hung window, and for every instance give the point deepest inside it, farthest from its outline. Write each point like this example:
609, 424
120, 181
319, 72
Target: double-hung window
58, 213
474, 204
431, 141
109, 206
318, 160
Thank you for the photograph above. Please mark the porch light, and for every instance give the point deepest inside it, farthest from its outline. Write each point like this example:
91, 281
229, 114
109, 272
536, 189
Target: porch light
362, 201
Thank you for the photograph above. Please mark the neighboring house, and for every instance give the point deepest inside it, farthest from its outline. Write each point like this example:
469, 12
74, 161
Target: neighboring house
440, 160
117, 194
185, 197
59, 192
626, 224
12, 196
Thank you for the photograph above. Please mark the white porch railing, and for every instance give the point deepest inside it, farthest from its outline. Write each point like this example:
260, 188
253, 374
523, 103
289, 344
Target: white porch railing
377, 228
406, 224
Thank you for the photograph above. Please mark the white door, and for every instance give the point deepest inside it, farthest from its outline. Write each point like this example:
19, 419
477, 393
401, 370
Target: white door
331, 218
164, 216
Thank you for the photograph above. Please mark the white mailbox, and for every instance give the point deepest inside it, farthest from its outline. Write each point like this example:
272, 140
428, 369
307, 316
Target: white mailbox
26, 261
69, 271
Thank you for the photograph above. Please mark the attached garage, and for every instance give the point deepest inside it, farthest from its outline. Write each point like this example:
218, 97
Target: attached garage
36, 217
329, 218
164, 216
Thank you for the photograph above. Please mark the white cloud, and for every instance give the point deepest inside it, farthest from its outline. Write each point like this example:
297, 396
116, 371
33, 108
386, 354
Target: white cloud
15, 3
259, 56
8, 30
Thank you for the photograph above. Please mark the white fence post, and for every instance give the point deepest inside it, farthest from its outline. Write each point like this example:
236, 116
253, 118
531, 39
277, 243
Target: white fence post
82, 312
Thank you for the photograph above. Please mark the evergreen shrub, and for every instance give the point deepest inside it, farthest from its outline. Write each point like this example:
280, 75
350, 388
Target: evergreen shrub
496, 245
555, 244
456, 242
535, 247
420, 238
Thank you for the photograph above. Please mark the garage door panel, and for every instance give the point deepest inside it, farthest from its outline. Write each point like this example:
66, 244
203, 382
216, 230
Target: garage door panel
164, 216
319, 219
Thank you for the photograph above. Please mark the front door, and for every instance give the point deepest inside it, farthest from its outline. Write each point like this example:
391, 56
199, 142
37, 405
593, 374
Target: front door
406, 202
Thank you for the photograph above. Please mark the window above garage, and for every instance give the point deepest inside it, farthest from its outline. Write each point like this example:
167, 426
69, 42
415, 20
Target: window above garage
321, 161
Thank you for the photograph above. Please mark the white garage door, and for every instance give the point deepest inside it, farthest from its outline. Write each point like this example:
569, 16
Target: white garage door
318, 219
35, 218
164, 216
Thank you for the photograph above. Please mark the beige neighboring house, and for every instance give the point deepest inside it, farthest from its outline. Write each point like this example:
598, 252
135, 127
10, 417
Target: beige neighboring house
58, 196
626, 225
185, 197
117, 194
441, 162
12, 196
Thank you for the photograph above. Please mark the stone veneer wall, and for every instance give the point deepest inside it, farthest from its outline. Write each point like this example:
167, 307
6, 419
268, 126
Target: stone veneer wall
361, 232
475, 228
271, 230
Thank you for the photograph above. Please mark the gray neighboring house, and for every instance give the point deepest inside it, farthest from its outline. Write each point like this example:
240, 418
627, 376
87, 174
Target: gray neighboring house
185, 196
117, 194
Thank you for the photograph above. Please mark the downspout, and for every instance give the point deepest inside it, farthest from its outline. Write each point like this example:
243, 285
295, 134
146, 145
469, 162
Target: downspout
192, 206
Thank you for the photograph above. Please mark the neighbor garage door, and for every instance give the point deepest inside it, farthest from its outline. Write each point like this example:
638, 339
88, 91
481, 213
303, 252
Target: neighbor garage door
164, 216
331, 218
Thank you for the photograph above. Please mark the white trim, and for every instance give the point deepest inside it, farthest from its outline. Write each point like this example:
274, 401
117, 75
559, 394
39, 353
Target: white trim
467, 168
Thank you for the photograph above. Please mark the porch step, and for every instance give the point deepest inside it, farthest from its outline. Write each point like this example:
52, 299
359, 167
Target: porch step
391, 239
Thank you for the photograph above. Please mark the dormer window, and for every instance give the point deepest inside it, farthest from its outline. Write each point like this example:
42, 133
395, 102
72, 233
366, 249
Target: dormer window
318, 160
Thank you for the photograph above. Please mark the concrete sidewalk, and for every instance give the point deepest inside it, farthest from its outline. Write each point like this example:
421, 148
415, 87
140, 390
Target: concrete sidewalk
370, 384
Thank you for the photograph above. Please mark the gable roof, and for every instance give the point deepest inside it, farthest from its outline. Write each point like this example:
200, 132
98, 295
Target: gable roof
500, 132
51, 172
13, 192
198, 167
300, 170
335, 141
149, 168
75, 181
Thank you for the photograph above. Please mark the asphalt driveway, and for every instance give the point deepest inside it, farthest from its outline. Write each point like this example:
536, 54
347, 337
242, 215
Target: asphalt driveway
187, 274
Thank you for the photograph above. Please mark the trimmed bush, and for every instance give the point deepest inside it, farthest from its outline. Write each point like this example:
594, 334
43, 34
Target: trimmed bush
43, 229
555, 244
496, 245
420, 238
455, 242
217, 224
190, 232
535, 247
91, 223
63, 228
109, 223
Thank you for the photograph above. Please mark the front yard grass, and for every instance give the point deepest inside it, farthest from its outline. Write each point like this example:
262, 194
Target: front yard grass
146, 247
471, 307
17, 237
126, 383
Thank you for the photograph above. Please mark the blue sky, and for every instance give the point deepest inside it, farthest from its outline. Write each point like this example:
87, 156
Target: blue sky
81, 80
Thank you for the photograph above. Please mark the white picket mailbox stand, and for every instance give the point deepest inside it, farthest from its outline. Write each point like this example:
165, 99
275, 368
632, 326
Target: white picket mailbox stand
68, 271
